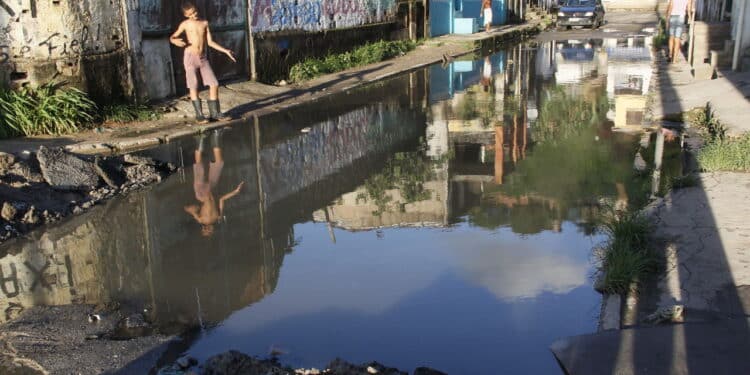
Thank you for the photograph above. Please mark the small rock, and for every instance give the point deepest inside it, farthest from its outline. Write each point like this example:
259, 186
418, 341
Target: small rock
8, 212
671, 314
139, 160
283, 83
26, 171
186, 362
110, 171
31, 216
131, 326
371, 370
142, 173
93, 318
6, 160
64, 171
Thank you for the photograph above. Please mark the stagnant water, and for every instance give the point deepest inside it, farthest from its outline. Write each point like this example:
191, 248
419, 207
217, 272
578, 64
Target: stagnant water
443, 218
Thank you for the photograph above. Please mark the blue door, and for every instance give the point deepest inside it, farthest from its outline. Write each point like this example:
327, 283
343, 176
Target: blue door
441, 17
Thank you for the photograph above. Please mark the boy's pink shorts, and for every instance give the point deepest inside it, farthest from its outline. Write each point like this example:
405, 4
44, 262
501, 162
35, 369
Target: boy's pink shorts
192, 63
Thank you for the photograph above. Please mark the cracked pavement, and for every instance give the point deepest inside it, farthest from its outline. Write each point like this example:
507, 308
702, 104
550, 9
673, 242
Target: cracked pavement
705, 237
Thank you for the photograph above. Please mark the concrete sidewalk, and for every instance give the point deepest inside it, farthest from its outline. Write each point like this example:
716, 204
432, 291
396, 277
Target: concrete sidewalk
678, 91
247, 99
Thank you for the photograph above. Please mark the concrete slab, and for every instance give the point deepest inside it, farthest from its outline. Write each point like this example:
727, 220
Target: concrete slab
706, 240
719, 347
678, 91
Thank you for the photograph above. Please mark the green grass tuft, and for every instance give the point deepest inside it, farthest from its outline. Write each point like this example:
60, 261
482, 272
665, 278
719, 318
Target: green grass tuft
726, 155
126, 112
47, 109
627, 258
707, 123
367, 54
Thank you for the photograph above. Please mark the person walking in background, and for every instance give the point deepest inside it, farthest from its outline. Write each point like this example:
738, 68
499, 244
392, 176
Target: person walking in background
676, 11
487, 14
198, 36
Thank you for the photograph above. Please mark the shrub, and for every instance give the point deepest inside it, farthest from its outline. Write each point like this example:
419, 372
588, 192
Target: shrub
47, 109
363, 55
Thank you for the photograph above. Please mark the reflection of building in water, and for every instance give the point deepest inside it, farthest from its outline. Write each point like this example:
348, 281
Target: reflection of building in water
628, 78
144, 249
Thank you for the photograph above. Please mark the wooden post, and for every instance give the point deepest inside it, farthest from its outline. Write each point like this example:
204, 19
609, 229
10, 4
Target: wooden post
691, 43
426, 28
251, 41
412, 20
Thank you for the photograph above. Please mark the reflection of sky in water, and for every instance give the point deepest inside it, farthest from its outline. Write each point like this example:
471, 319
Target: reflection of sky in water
421, 295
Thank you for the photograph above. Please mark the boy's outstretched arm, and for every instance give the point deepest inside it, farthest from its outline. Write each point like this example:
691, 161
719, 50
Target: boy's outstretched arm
218, 47
176, 39
229, 195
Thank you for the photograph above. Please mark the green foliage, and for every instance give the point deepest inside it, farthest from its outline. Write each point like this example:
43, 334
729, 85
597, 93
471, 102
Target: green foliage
363, 55
660, 38
126, 112
627, 258
47, 109
467, 107
726, 155
406, 172
562, 115
709, 126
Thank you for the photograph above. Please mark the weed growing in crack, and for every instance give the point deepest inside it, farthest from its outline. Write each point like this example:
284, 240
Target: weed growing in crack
627, 258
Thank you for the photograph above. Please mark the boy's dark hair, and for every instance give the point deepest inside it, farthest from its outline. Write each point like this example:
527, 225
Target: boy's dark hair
187, 5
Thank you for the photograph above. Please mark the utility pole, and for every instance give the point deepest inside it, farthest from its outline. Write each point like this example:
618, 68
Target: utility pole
251, 41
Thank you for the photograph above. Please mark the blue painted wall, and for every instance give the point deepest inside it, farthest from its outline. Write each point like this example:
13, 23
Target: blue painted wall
442, 13
459, 75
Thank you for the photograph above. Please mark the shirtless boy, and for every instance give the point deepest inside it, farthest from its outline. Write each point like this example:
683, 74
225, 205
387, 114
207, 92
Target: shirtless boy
198, 36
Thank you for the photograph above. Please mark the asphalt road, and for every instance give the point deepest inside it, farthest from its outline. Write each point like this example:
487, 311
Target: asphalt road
618, 24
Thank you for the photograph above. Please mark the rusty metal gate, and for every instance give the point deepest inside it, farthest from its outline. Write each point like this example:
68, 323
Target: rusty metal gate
159, 19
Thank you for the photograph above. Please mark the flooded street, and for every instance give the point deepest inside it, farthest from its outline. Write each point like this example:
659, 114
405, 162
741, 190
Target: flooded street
443, 218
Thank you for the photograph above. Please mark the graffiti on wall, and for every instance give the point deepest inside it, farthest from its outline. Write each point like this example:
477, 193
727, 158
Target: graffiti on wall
44, 30
319, 15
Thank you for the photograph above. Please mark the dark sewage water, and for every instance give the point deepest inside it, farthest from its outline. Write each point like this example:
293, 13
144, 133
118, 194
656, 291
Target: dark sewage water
443, 218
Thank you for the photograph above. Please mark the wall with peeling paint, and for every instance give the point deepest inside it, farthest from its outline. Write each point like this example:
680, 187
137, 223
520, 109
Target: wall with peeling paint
80, 42
116, 49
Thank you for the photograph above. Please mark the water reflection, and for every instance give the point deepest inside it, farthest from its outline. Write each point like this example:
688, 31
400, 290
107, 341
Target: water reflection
206, 176
448, 207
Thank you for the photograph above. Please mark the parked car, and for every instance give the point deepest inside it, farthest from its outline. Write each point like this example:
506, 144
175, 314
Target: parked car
580, 13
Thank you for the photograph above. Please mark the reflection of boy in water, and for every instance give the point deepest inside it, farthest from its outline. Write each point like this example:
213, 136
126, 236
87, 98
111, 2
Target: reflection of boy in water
208, 212
486, 74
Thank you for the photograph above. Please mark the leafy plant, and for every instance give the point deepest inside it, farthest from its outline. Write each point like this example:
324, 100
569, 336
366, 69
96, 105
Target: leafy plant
363, 55
46, 109
709, 126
